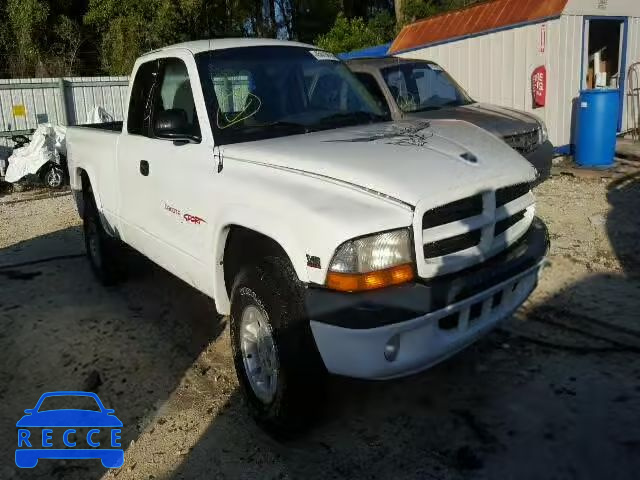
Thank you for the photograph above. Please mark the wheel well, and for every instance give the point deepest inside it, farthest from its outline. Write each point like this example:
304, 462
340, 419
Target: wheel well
86, 183
81, 200
245, 246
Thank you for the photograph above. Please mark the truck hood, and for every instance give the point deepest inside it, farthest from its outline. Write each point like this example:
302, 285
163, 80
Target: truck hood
407, 160
500, 121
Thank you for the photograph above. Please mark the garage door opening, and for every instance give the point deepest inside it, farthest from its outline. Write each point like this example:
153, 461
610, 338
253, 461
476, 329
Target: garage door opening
604, 55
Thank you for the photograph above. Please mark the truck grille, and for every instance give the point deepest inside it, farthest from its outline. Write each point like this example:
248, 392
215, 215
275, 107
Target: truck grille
452, 245
465, 232
525, 142
467, 207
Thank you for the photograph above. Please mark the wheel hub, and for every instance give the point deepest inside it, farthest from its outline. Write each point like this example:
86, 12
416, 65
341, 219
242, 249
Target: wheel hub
259, 354
54, 178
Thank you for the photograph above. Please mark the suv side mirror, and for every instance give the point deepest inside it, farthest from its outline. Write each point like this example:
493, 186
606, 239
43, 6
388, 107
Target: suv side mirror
172, 124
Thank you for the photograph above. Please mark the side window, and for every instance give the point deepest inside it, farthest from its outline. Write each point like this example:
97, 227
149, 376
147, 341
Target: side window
373, 88
141, 99
175, 94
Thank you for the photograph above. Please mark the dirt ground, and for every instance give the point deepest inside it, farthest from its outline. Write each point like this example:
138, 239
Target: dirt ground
554, 393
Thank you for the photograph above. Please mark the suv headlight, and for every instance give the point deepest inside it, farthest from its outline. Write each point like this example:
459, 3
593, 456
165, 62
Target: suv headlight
372, 262
544, 133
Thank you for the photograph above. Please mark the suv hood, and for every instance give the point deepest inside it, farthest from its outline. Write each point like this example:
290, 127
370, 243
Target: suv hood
407, 160
500, 121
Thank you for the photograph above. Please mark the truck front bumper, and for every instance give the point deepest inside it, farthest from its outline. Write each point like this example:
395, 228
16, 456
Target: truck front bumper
542, 159
402, 330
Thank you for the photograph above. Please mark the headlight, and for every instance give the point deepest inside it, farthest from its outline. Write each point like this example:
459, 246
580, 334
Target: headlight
372, 262
544, 133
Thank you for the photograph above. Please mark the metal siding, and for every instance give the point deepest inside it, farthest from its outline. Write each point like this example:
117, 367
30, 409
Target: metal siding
633, 56
499, 67
616, 8
507, 91
45, 103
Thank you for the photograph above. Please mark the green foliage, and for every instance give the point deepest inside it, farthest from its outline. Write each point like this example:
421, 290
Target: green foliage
413, 10
26, 20
90, 37
131, 27
353, 34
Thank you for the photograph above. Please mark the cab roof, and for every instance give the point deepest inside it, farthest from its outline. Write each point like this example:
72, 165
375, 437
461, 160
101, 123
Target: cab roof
198, 46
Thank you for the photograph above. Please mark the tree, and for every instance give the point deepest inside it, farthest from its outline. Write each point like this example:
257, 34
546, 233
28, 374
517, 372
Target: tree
413, 10
26, 21
353, 34
129, 28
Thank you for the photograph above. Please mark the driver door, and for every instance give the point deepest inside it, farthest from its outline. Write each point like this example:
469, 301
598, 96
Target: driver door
173, 177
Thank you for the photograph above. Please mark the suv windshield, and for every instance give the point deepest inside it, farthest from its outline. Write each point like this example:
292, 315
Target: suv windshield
423, 86
264, 92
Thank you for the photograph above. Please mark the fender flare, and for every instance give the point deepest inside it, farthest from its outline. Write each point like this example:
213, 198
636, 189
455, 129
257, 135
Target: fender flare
264, 222
78, 190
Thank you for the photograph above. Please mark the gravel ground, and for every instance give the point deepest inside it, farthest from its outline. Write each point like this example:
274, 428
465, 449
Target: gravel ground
553, 393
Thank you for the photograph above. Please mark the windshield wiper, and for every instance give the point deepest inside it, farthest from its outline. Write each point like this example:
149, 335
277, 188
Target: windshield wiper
289, 126
353, 116
450, 103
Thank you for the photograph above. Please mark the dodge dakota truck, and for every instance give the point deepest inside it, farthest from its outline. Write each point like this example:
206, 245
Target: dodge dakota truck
263, 173
424, 90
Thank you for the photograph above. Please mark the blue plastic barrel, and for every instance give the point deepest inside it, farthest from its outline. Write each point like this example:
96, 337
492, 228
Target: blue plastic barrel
597, 127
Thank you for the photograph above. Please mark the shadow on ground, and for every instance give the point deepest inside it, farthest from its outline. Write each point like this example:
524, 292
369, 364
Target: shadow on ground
552, 394
61, 330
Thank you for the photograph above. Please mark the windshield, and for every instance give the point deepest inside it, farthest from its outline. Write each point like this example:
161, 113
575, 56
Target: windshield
423, 86
264, 92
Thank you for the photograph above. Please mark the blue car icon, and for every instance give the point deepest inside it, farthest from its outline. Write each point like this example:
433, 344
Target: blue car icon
31, 448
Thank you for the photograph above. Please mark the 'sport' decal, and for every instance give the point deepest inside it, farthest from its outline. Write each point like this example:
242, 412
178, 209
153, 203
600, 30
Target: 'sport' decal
193, 219
187, 217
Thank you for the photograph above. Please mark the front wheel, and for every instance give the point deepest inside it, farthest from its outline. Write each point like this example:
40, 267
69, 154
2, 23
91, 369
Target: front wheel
275, 356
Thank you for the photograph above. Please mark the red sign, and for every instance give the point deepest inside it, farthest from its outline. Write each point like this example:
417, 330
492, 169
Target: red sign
539, 87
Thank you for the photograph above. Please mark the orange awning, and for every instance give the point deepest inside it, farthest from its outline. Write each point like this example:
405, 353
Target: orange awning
482, 17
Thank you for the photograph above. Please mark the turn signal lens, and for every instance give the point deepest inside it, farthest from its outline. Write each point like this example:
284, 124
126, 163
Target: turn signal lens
358, 282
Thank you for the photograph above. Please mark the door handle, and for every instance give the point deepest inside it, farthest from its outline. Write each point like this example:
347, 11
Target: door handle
144, 167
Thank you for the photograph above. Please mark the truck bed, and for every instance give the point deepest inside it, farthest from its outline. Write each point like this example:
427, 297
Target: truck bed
111, 126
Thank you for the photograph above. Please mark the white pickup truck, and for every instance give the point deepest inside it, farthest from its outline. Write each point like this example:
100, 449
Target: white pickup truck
265, 175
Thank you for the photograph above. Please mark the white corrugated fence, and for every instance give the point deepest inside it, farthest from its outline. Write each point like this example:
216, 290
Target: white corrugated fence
26, 103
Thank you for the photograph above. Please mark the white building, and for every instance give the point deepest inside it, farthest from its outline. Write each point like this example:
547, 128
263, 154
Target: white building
493, 48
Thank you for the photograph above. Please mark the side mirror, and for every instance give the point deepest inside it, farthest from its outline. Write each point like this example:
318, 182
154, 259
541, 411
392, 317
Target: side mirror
109, 411
29, 411
172, 124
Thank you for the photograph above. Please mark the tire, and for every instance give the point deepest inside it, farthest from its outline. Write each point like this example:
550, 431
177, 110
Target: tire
271, 292
103, 251
53, 177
